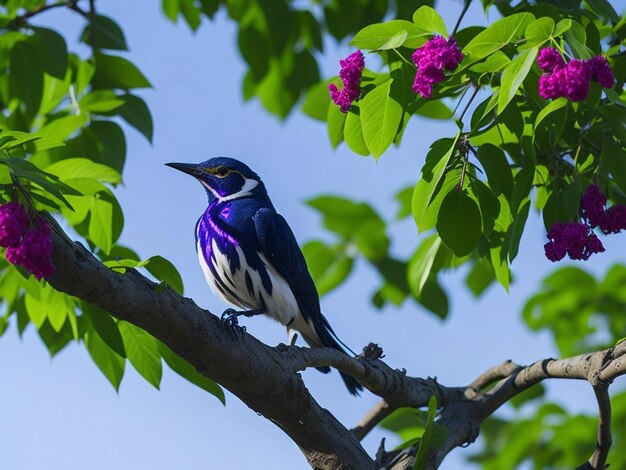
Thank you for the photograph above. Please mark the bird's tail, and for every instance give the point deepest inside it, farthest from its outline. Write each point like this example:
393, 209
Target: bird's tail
328, 338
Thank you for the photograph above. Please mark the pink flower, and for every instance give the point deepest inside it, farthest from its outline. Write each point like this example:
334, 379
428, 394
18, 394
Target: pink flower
601, 71
571, 80
574, 239
14, 222
577, 77
614, 220
350, 74
34, 251
549, 59
437, 55
593, 205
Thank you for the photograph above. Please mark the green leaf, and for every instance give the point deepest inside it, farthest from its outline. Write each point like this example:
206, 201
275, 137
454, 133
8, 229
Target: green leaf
421, 263
26, 77
104, 325
165, 271
187, 371
356, 222
547, 110
336, 122
105, 221
513, 76
380, 118
136, 113
427, 19
500, 265
353, 135
70, 168
480, 277
428, 443
539, 31
459, 223
497, 168
53, 52
388, 35
108, 361
24, 169
498, 35
104, 33
434, 168
562, 26
316, 101
434, 298
110, 144
604, 9
613, 158
142, 352
329, 266
404, 197
63, 127
434, 109
171, 9
576, 37
405, 422
117, 72
100, 101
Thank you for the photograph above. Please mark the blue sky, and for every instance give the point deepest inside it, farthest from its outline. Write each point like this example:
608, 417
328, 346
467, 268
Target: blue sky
63, 414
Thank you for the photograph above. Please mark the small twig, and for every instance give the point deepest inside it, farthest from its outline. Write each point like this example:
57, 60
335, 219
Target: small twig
499, 372
469, 102
466, 5
21, 19
597, 461
371, 420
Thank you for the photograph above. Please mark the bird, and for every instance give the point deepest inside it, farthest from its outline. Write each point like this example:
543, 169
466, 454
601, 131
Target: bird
251, 259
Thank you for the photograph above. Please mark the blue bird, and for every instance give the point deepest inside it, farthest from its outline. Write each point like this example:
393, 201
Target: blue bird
250, 256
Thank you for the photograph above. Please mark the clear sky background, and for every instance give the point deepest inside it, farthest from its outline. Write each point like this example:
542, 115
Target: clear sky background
63, 414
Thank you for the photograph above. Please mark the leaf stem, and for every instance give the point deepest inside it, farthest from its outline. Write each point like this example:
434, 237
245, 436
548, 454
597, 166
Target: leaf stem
466, 5
476, 90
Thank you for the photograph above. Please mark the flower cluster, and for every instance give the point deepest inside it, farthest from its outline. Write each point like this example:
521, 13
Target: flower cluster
574, 239
577, 239
571, 80
28, 246
350, 74
431, 59
593, 209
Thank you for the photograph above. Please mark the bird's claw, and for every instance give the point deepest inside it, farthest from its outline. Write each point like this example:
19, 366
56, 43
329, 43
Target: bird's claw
231, 323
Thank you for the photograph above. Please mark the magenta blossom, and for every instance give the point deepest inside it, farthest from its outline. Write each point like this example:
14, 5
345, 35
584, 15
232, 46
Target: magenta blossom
350, 74
574, 239
601, 71
549, 59
437, 55
34, 251
593, 205
577, 239
14, 222
571, 80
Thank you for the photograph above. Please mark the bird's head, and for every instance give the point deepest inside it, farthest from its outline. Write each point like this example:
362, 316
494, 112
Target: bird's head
224, 178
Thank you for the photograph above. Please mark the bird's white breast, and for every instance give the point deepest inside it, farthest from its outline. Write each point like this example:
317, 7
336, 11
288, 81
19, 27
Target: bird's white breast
280, 305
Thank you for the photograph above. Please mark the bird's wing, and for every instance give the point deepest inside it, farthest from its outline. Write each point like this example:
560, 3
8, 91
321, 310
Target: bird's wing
278, 244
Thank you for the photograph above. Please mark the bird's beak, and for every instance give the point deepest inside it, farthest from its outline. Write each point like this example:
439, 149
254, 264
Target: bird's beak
189, 168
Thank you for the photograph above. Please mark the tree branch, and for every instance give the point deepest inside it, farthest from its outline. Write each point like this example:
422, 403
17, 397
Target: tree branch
597, 461
267, 380
371, 420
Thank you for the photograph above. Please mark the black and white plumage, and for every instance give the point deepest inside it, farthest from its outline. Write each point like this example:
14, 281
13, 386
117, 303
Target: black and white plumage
250, 256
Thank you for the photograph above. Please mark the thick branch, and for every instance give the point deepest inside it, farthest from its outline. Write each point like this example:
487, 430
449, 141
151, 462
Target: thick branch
371, 420
253, 371
603, 444
266, 378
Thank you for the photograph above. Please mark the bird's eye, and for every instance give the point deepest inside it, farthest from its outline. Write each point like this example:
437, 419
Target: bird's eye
221, 171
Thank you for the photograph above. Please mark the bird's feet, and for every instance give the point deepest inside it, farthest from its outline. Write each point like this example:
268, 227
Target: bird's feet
231, 323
